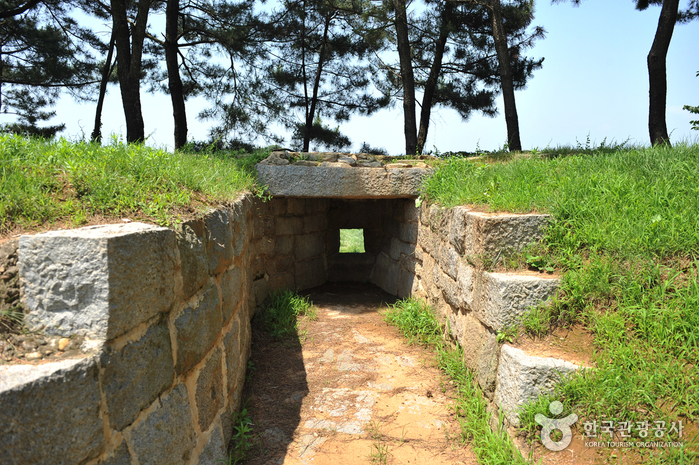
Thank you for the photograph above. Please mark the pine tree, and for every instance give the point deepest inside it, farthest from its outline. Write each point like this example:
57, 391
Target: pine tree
43, 51
454, 61
320, 67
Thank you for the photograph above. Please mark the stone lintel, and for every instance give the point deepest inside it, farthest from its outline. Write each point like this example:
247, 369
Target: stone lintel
341, 183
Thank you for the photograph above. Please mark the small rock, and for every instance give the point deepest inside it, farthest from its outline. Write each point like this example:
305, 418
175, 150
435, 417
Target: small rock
63, 343
305, 163
33, 356
329, 164
348, 160
46, 351
29, 345
369, 164
397, 165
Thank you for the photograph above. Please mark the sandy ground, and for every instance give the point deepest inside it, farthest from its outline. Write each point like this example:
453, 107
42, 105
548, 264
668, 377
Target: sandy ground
350, 391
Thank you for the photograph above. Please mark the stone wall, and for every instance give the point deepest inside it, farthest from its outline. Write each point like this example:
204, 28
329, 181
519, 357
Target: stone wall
168, 315
452, 247
289, 240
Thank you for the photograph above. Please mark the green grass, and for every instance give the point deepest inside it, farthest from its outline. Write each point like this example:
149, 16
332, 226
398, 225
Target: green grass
417, 322
351, 241
282, 312
45, 181
625, 232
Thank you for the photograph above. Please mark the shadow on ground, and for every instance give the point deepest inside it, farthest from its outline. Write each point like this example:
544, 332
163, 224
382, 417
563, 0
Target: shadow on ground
278, 385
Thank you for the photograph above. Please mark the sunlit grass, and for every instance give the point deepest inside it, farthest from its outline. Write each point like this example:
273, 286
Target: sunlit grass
625, 231
44, 181
351, 241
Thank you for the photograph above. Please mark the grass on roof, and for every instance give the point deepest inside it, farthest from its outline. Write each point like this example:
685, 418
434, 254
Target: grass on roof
46, 181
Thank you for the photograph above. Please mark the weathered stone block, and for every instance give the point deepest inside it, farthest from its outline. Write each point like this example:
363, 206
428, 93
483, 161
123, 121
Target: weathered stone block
310, 273
277, 206
119, 456
284, 245
315, 223
466, 280
167, 434
407, 232
198, 327
215, 450
263, 226
450, 290
405, 283
283, 280
503, 298
98, 281
430, 241
399, 248
489, 234
480, 346
264, 246
411, 214
231, 347
316, 206
408, 263
334, 182
522, 378
295, 207
209, 396
350, 267
386, 274
231, 290
282, 264
260, 290
449, 260
219, 240
195, 268
288, 226
50, 413
309, 245
136, 374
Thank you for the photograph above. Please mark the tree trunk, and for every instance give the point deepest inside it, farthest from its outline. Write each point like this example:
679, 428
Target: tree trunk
506, 82
97, 130
129, 45
657, 75
316, 85
433, 78
173, 73
407, 77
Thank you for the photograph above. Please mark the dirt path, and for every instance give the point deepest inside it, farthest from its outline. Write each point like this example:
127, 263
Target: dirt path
352, 392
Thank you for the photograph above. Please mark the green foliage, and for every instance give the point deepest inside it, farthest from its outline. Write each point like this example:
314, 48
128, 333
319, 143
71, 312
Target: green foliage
44, 181
693, 110
625, 232
415, 320
282, 312
637, 200
351, 241
43, 48
243, 438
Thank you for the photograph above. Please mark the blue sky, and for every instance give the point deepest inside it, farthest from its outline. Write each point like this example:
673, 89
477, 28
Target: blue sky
594, 81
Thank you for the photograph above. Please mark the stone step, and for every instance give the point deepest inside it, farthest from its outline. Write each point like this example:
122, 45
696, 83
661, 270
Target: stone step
522, 378
484, 235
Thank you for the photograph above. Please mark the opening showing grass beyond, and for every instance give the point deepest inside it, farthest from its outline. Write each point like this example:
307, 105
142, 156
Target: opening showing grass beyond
351, 241
46, 181
417, 322
625, 234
